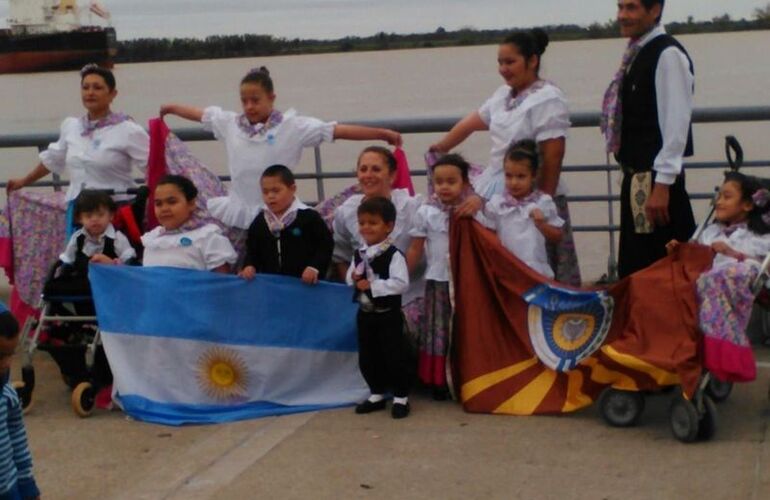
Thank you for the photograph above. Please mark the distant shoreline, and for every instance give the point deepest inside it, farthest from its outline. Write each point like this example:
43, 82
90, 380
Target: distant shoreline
251, 45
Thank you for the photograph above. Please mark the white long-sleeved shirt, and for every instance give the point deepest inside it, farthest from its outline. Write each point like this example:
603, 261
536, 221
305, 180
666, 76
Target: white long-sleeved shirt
103, 160
674, 86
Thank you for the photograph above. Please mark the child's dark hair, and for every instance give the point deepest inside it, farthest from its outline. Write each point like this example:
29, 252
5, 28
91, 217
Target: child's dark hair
525, 150
9, 327
95, 69
529, 43
260, 76
378, 206
184, 184
280, 171
753, 191
390, 159
454, 160
91, 200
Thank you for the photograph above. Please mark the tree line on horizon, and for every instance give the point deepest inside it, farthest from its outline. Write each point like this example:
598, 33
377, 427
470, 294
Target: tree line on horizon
252, 45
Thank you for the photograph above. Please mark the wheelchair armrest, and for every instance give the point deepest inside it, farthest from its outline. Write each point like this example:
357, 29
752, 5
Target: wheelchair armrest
61, 267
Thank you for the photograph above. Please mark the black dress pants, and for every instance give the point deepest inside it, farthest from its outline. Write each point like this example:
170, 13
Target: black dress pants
382, 352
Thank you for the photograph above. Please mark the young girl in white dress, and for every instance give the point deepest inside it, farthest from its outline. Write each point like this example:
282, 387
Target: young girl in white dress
262, 136
740, 239
430, 227
178, 241
523, 216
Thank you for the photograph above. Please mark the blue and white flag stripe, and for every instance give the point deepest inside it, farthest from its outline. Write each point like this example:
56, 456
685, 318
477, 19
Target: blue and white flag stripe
197, 347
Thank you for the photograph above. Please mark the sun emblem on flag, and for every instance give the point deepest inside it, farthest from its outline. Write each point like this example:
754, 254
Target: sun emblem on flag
222, 374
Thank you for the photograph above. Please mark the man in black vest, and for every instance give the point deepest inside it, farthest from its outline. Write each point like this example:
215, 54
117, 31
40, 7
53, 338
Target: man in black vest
647, 121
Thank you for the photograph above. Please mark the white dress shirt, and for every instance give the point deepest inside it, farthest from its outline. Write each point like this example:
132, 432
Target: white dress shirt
398, 279
103, 160
543, 115
674, 87
93, 245
248, 157
517, 230
204, 248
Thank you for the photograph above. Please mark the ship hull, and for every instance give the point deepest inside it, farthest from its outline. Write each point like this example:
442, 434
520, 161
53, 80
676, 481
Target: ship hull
56, 51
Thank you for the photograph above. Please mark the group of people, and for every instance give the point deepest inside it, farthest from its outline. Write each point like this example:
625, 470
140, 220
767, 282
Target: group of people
390, 246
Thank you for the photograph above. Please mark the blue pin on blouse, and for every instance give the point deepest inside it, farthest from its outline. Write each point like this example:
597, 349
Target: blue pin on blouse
185, 241
270, 139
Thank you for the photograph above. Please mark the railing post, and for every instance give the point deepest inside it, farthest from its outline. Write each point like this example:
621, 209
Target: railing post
612, 263
319, 182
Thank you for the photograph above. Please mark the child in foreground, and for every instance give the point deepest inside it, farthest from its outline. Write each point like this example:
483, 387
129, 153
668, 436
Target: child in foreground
524, 217
740, 238
180, 241
431, 227
287, 237
380, 276
16, 479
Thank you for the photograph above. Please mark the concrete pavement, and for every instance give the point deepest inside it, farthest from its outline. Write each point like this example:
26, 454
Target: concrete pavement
438, 452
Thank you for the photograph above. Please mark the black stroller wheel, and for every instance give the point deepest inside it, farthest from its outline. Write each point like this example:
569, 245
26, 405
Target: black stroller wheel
718, 390
83, 399
621, 408
707, 426
684, 420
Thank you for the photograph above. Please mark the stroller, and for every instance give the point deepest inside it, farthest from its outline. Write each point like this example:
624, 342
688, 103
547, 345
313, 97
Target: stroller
695, 419
67, 328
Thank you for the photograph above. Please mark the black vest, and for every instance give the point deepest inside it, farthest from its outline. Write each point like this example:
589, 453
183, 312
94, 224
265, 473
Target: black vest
641, 138
380, 265
81, 259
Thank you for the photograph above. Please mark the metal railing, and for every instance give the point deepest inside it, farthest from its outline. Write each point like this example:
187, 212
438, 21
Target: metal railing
443, 124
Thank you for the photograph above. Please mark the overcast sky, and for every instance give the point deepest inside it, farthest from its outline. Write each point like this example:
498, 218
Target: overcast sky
339, 18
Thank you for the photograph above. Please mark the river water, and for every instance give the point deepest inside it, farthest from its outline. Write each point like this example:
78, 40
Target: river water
732, 69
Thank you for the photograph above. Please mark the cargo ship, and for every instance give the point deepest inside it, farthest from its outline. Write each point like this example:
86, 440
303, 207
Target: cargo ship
48, 35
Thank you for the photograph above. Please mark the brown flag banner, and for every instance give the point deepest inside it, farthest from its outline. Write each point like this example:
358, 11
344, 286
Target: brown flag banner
525, 345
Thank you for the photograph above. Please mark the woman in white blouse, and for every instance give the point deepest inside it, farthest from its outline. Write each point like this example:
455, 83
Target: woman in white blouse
525, 107
375, 170
261, 136
98, 150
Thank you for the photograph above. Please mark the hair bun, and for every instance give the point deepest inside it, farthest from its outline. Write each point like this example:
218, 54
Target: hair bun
262, 70
541, 40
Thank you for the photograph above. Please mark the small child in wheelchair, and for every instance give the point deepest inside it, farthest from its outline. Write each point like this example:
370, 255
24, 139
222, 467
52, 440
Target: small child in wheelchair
96, 241
740, 239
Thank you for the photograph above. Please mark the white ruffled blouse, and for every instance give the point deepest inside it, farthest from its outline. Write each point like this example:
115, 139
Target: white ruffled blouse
543, 115
103, 160
742, 240
517, 230
249, 156
204, 248
432, 223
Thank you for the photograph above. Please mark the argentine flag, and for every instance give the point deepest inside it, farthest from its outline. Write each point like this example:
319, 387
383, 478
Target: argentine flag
190, 346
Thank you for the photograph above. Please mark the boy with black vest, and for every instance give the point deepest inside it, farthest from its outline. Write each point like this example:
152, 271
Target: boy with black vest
380, 275
96, 241
647, 121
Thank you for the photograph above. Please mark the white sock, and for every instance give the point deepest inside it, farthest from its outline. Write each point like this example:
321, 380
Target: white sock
400, 401
376, 398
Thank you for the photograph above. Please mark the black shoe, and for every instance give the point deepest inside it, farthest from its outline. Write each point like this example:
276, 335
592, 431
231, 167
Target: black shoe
399, 410
368, 406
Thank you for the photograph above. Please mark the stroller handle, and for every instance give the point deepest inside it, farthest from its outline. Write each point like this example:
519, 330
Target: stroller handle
732, 146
